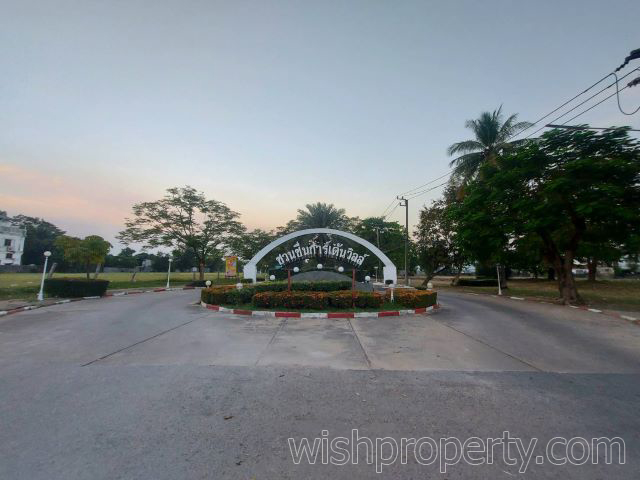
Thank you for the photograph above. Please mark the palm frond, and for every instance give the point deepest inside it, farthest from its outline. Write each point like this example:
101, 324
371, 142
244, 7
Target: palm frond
466, 146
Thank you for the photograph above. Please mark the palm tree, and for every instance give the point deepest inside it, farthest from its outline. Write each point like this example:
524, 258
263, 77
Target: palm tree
321, 215
491, 139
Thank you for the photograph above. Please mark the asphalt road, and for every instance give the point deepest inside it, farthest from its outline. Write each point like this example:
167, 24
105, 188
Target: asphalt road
151, 386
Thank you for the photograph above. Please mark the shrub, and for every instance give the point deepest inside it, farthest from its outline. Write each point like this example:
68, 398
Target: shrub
219, 281
303, 286
359, 299
291, 300
75, 287
215, 295
415, 298
478, 282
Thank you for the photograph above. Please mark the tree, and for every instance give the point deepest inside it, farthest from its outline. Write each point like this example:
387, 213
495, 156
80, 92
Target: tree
248, 244
492, 136
436, 239
86, 252
321, 215
561, 190
387, 236
183, 219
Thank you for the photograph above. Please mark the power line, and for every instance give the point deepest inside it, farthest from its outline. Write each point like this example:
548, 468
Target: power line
582, 127
415, 193
585, 101
429, 182
388, 206
596, 104
394, 209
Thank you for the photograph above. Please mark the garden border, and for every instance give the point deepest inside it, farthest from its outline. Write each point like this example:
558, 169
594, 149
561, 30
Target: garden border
268, 313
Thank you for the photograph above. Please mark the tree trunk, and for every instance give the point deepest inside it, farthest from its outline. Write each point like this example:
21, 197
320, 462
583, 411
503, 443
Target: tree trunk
566, 281
97, 272
88, 273
456, 278
201, 270
592, 265
551, 273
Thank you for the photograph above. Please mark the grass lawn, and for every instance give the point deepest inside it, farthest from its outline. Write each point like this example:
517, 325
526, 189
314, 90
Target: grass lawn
617, 294
25, 286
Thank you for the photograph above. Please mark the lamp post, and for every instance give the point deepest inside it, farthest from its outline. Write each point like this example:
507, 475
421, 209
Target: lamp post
47, 254
499, 287
169, 271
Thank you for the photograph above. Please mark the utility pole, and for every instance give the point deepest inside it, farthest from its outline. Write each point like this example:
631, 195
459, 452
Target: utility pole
404, 202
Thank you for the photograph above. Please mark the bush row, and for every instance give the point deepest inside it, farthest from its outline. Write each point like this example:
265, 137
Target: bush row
219, 281
326, 286
317, 300
229, 295
478, 282
75, 287
415, 298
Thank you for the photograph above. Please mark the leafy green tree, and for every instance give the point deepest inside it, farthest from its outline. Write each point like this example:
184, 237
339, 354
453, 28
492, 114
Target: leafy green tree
183, 219
86, 252
321, 215
560, 190
436, 239
388, 236
246, 245
491, 139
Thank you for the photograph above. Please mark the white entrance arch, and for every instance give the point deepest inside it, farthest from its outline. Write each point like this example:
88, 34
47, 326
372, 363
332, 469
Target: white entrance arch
389, 270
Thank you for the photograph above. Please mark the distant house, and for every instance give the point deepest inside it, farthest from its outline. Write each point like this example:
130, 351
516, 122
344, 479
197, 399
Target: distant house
11, 243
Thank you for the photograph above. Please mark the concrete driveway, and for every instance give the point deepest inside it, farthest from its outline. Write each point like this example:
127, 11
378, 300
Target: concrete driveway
151, 386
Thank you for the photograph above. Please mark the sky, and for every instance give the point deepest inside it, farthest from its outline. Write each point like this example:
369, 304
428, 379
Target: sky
270, 105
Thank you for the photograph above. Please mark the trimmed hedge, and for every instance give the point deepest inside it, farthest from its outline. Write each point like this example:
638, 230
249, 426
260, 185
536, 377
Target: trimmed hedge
478, 282
317, 300
291, 300
325, 286
229, 295
75, 287
415, 298
359, 299
219, 281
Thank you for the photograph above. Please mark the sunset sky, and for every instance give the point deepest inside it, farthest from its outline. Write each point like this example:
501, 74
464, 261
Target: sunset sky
269, 105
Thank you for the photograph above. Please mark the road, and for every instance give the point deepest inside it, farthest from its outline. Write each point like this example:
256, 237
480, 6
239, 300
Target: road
153, 386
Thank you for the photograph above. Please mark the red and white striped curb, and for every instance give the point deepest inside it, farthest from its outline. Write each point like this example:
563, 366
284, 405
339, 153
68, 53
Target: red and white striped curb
267, 313
621, 316
106, 295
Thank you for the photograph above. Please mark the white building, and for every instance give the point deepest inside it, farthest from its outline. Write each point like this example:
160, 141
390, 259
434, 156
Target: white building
11, 243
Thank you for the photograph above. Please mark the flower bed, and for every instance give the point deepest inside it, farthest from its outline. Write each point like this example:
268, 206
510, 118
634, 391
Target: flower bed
316, 300
414, 298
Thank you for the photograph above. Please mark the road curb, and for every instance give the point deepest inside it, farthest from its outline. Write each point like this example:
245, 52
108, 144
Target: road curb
267, 313
106, 295
628, 318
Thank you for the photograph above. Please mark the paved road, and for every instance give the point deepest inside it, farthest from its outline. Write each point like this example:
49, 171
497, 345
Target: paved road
151, 386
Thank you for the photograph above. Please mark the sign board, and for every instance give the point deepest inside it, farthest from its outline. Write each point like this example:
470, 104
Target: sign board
326, 250
231, 266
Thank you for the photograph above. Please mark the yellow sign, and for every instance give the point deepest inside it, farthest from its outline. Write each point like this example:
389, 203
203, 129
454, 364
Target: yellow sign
231, 266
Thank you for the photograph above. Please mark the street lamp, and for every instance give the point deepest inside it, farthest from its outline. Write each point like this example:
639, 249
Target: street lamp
296, 269
47, 254
319, 266
169, 271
